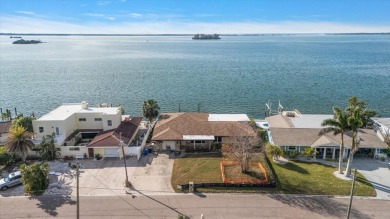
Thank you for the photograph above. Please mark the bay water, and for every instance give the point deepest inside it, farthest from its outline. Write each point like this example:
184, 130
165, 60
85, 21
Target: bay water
237, 74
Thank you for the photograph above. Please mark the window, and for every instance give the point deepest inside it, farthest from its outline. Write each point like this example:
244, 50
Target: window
218, 139
57, 131
74, 149
41, 130
98, 119
109, 122
82, 119
198, 142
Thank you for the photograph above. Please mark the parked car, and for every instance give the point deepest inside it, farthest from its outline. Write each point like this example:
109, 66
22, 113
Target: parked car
13, 179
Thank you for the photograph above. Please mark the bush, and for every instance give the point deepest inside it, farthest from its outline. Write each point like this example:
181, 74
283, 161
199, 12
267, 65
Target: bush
98, 156
387, 151
8, 159
382, 159
293, 154
34, 177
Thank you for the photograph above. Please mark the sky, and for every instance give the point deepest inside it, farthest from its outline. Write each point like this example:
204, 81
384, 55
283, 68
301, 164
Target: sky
193, 16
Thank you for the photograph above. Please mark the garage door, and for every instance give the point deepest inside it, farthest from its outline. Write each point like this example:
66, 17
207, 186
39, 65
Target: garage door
111, 152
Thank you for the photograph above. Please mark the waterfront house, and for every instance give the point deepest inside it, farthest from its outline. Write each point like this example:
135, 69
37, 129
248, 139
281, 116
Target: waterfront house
194, 131
292, 130
83, 131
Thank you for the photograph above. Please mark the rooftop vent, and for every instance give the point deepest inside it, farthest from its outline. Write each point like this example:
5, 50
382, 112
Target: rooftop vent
84, 105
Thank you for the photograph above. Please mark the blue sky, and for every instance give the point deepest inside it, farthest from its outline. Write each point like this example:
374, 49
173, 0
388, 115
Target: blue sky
212, 16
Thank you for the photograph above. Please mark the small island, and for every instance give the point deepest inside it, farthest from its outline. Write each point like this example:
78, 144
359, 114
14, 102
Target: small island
22, 41
206, 37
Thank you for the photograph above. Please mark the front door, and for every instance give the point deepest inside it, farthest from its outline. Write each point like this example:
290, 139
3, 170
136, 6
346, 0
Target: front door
90, 152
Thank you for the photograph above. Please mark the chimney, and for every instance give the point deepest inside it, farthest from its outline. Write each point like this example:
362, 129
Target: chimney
84, 105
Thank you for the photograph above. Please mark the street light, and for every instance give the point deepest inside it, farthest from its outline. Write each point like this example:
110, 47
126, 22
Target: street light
122, 144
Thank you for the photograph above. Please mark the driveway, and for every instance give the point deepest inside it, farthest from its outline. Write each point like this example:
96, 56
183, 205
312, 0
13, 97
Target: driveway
154, 173
149, 175
377, 172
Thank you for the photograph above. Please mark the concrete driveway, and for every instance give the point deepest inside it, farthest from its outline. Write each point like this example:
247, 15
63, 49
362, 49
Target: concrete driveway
149, 175
153, 175
377, 173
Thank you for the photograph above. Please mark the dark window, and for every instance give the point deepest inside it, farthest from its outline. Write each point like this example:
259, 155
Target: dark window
40, 129
74, 149
82, 119
198, 142
98, 119
218, 139
109, 122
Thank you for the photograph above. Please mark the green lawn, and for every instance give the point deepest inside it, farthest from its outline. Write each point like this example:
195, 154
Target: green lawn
316, 179
197, 170
292, 178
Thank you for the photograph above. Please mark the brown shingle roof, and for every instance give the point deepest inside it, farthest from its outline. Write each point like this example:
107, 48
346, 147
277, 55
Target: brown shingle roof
279, 121
126, 130
310, 137
172, 126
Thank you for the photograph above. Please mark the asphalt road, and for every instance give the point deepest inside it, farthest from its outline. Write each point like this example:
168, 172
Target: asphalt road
210, 205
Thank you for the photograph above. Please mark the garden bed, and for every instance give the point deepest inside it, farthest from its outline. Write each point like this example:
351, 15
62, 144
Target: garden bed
231, 172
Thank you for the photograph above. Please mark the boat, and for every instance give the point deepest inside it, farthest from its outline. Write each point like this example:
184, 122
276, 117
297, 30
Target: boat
15, 37
206, 37
22, 41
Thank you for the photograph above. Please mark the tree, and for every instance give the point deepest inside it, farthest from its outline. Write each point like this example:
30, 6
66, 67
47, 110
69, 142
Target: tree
274, 151
34, 177
47, 149
19, 141
310, 152
241, 145
355, 121
150, 109
365, 112
337, 125
386, 135
25, 122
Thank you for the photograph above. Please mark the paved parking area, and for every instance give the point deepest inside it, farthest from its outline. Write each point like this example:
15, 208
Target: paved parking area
377, 172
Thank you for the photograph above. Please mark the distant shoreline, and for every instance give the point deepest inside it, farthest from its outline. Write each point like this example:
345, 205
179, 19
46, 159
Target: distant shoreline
266, 34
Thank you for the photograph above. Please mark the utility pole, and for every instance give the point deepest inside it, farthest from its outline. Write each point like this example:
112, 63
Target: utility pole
350, 198
78, 198
121, 144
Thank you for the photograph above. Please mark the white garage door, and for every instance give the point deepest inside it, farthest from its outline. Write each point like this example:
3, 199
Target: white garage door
111, 152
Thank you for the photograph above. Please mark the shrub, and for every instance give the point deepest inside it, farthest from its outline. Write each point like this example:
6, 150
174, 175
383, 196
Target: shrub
98, 156
34, 177
382, 159
8, 159
293, 154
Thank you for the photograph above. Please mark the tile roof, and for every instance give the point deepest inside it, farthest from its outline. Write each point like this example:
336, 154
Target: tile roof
172, 126
111, 138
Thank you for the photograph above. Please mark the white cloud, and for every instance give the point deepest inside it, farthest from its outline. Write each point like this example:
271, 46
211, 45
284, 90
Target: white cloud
26, 12
135, 15
22, 24
94, 15
101, 3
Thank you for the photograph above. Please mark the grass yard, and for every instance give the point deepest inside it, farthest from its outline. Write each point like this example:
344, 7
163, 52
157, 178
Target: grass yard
316, 179
197, 170
234, 172
292, 178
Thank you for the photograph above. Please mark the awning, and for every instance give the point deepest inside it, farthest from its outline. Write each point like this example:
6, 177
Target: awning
198, 137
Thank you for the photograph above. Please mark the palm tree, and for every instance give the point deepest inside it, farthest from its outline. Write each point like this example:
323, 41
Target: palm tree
19, 141
337, 125
355, 121
150, 109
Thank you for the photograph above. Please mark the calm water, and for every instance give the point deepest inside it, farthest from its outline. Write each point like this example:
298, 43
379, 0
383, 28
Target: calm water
232, 75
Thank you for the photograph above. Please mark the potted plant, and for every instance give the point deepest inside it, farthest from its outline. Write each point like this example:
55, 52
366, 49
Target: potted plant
98, 156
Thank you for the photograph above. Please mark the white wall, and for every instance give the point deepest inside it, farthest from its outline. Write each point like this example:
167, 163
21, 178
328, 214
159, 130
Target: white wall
90, 122
116, 120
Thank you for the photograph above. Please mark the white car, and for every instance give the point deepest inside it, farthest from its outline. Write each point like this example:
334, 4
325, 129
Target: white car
13, 179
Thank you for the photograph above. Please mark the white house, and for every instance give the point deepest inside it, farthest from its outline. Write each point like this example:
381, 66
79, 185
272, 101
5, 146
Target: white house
292, 130
76, 125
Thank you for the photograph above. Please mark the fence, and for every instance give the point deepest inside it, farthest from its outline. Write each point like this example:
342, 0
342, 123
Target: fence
236, 185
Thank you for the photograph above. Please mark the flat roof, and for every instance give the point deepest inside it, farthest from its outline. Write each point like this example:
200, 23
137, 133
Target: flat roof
383, 121
66, 110
228, 118
198, 137
309, 120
